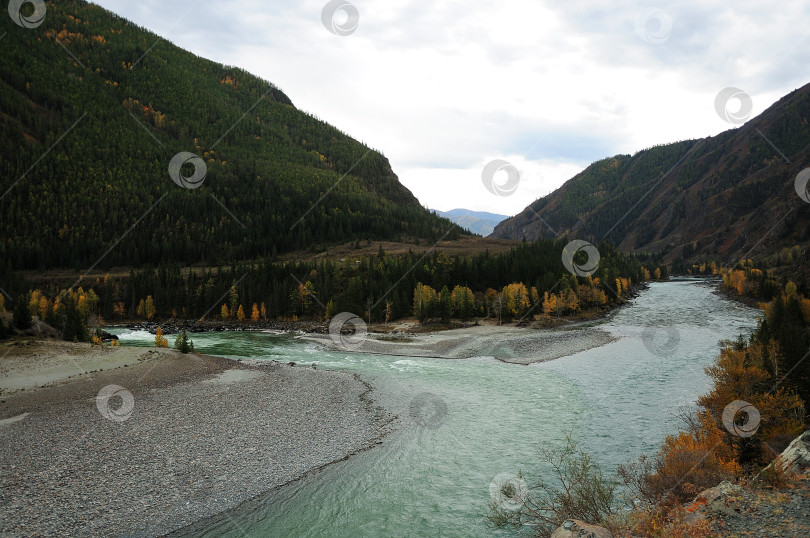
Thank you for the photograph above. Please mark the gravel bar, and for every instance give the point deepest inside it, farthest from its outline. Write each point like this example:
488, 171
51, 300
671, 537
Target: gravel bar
200, 439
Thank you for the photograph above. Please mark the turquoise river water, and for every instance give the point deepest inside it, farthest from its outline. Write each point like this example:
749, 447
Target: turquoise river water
432, 477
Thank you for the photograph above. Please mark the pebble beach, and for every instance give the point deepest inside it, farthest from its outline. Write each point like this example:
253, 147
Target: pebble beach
182, 438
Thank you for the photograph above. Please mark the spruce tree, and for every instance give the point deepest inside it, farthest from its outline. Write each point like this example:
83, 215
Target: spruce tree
22, 315
182, 343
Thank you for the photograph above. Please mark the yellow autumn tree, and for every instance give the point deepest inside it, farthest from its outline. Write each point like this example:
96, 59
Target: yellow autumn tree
571, 301
224, 312
240, 314
149, 307
160, 340
33, 303
516, 299
254, 314
549, 304
43, 307
742, 374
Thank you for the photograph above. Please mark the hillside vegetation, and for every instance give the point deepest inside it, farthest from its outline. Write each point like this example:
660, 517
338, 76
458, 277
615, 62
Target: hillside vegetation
725, 197
89, 131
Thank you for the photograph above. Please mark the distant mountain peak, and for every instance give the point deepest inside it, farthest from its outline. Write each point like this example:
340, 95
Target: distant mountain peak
479, 222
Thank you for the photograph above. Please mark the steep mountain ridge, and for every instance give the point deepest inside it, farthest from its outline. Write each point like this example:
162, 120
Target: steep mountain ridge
724, 197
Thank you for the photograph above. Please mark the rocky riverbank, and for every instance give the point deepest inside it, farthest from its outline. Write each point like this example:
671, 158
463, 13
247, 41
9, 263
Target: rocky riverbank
755, 508
147, 446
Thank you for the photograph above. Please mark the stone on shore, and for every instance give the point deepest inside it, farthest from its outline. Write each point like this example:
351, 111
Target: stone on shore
574, 528
796, 457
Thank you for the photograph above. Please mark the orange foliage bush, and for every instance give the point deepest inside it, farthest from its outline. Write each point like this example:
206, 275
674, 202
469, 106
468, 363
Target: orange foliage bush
668, 523
688, 463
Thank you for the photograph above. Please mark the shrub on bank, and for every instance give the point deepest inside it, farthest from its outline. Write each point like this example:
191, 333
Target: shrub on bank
183, 344
579, 490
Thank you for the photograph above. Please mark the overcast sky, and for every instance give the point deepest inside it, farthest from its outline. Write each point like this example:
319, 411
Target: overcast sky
443, 87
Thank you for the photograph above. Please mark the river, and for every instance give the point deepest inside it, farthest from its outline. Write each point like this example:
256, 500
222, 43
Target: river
486, 419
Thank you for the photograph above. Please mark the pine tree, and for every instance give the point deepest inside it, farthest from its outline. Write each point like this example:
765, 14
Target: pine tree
233, 300
74, 326
445, 305
22, 314
182, 343
50, 316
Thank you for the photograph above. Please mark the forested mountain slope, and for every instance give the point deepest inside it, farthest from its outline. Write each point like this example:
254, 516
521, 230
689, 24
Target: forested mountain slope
94, 108
722, 197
